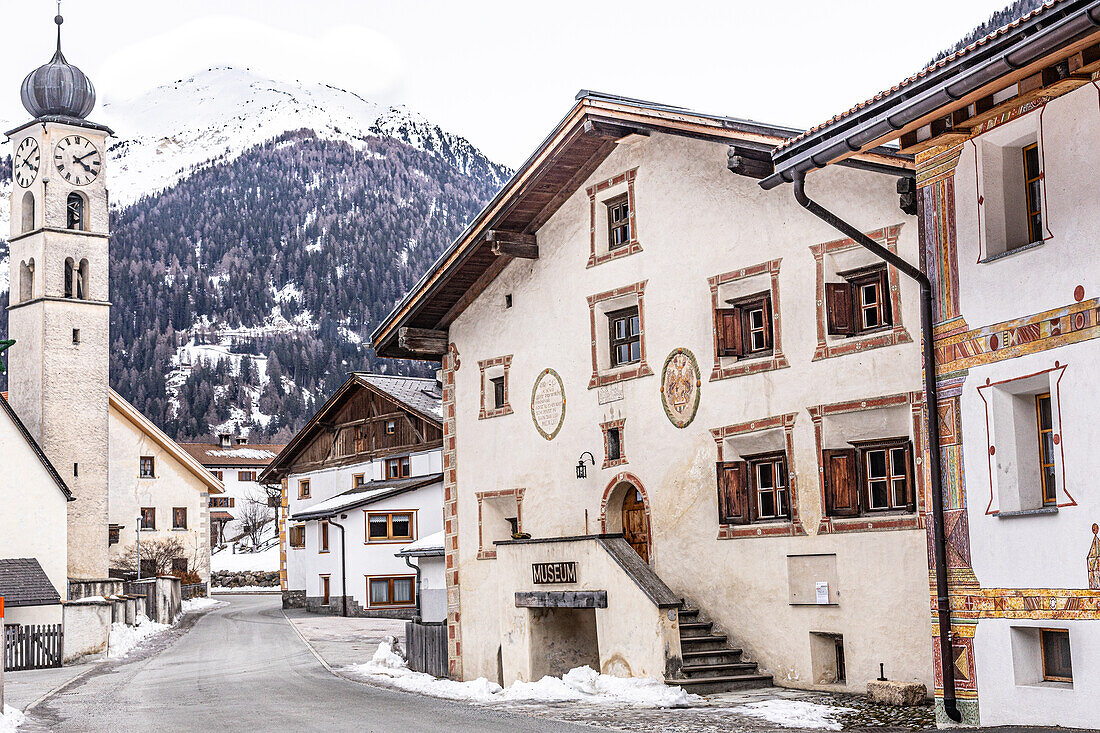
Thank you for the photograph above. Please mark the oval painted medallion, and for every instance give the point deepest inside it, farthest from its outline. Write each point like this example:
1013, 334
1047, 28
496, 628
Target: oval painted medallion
680, 383
548, 403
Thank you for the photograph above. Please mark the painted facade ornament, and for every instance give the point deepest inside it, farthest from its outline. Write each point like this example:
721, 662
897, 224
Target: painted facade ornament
1094, 559
548, 403
680, 383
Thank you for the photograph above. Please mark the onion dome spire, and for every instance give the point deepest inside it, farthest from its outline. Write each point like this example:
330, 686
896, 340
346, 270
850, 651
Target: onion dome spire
58, 88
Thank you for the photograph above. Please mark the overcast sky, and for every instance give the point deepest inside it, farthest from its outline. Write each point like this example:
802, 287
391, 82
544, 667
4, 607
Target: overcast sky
503, 73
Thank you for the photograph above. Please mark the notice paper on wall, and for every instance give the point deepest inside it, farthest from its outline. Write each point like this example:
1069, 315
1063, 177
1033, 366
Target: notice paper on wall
822, 592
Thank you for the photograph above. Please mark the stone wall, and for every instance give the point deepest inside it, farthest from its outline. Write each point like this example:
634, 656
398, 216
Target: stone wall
294, 599
239, 579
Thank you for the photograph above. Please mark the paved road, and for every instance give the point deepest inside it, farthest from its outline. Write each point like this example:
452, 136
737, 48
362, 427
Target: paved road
242, 667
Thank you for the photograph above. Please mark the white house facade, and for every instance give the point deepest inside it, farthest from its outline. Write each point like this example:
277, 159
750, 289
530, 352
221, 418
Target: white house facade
683, 422
361, 481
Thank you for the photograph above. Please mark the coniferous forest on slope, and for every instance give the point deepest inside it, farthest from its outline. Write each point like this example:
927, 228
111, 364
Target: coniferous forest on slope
350, 229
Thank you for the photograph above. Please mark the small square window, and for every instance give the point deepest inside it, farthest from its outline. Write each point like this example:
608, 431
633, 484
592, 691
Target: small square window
498, 392
76, 335
145, 467
391, 427
360, 480
1057, 663
303, 488
508, 300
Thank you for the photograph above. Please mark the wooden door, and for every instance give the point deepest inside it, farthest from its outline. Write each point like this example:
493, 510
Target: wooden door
635, 526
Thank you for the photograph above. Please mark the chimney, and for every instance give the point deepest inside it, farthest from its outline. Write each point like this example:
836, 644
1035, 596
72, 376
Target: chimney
242, 440
225, 439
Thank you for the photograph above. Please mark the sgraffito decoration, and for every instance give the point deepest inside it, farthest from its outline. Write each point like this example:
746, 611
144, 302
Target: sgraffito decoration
680, 383
548, 403
1094, 559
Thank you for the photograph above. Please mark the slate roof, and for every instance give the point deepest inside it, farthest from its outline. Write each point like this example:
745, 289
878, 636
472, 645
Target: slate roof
368, 493
421, 394
937, 64
24, 583
213, 455
35, 447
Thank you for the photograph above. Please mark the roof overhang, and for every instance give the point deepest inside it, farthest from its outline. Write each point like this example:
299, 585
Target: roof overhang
366, 496
573, 150
1015, 52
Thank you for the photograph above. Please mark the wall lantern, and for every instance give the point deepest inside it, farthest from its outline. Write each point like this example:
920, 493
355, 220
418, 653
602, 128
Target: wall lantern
582, 472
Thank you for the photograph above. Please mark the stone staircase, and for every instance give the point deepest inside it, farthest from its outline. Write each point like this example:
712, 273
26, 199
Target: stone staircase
710, 663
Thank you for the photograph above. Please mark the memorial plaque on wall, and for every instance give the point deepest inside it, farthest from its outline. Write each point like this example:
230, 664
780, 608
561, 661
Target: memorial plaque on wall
548, 403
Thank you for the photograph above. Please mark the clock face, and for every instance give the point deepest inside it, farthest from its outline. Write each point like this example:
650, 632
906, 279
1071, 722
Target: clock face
25, 167
78, 161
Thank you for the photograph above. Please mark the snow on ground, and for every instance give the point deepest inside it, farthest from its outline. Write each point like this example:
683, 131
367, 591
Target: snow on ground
794, 713
10, 720
200, 604
582, 684
124, 638
266, 561
226, 591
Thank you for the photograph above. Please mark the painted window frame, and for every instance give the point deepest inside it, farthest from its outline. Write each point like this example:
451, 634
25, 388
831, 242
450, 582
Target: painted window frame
490, 552
390, 538
606, 428
499, 366
600, 250
727, 366
631, 295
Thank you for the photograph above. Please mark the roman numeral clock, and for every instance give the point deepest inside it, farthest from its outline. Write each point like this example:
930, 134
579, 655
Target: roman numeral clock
77, 159
27, 161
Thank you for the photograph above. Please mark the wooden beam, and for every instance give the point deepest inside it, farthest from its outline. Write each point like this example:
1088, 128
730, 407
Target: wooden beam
611, 131
422, 341
513, 244
749, 162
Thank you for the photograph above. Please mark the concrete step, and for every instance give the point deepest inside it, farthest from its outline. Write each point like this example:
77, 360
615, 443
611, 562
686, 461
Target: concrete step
703, 642
689, 613
721, 669
728, 683
692, 629
724, 655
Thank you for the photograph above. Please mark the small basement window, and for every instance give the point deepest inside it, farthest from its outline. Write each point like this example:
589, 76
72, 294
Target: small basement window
1057, 663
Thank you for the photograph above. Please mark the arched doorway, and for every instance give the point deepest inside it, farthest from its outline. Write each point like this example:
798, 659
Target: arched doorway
626, 509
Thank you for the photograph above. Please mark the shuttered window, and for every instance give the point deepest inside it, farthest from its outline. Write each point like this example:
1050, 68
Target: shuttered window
297, 537
874, 476
860, 304
733, 493
625, 336
618, 222
770, 495
745, 327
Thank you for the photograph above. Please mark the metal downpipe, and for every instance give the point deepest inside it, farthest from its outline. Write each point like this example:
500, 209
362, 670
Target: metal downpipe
416, 567
343, 570
931, 404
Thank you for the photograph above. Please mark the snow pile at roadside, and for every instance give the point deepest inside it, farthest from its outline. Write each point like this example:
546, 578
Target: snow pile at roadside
10, 720
124, 638
200, 604
580, 684
794, 713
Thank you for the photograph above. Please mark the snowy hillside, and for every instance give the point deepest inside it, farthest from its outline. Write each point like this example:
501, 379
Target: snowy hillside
163, 135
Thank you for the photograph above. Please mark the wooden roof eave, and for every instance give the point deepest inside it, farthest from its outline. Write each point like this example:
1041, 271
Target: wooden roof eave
626, 117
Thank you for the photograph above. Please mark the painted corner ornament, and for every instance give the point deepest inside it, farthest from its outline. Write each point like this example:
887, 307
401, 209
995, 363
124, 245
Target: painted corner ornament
4, 346
680, 384
548, 403
1094, 559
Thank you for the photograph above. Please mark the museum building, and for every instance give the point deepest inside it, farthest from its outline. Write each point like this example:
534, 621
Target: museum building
682, 420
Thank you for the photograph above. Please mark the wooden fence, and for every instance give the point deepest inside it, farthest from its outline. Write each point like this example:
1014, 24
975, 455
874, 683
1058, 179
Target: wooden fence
33, 647
426, 647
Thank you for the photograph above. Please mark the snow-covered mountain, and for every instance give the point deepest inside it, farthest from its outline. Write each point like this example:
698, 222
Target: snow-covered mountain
163, 135
259, 230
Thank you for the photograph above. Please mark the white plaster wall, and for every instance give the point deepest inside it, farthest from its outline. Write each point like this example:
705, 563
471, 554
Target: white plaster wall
695, 219
364, 558
1003, 702
174, 486
433, 588
34, 615
87, 628
1044, 277
328, 482
32, 510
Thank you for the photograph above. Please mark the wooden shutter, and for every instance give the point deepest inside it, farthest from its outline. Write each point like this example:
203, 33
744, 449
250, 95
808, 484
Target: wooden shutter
884, 293
733, 493
729, 332
838, 309
767, 305
910, 480
841, 482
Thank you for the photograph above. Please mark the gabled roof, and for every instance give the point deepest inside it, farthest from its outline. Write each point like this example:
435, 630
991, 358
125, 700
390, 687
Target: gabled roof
419, 395
1008, 54
159, 437
35, 447
559, 166
23, 582
368, 493
251, 455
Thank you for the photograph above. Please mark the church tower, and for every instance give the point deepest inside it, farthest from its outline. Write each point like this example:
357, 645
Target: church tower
59, 309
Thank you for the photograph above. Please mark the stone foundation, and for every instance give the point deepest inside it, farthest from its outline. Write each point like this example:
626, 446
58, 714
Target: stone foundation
336, 608
294, 599
247, 578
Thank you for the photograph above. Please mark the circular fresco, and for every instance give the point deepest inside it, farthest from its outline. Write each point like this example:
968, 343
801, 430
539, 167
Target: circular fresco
548, 403
680, 382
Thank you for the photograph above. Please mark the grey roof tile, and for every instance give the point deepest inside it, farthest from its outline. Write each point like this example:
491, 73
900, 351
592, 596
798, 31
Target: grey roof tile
24, 583
421, 394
